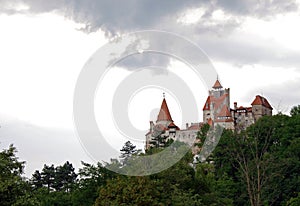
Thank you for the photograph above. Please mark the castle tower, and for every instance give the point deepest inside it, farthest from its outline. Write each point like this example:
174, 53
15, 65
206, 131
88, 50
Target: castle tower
261, 107
164, 116
164, 126
216, 109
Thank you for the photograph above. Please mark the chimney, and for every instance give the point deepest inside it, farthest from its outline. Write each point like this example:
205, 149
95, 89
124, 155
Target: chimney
187, 125
235, 105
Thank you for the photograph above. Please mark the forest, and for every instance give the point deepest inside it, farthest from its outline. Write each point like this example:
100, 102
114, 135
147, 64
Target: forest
258, 166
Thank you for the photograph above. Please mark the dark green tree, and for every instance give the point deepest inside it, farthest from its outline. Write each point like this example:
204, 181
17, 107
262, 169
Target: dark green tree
14, 190
263, 161
91, 178
36, 180
65, 177
295, 110
127, 151
48, 176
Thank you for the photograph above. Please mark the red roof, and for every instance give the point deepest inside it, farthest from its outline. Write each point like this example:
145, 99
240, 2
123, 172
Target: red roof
217, 85
173, 125
224, 112
164, 113
259, 100
217, 101
207, 104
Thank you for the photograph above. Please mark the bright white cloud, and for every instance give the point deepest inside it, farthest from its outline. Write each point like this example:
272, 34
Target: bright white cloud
191, 16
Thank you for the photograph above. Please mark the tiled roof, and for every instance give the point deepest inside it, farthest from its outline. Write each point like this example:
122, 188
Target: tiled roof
224, 112
217, 101
217, 85
259, 100
207, 104
173, 125
164, 113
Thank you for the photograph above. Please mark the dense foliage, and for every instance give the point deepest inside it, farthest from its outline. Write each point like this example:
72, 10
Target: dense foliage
259, 166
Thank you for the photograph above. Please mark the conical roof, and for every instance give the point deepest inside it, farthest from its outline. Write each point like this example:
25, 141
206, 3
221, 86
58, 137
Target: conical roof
164, 113
217, 85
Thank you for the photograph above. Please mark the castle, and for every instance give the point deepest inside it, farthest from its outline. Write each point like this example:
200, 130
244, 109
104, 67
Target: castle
216, 111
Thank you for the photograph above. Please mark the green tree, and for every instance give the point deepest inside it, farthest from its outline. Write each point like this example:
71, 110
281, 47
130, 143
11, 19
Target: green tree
48, 176
65, 177
127, 151
294, 201
91, 178
14, 190
36, 180
129, 191
295, 110
263, 161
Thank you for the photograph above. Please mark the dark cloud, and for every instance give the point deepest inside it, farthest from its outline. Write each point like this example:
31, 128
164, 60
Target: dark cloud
116, 16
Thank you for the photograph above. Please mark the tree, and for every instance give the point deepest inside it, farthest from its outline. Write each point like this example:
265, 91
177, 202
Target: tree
65, 177
91, 178
14, 190
263, 161
48, 176
125, 190
295, 110
36, 180
127, 151
295, 201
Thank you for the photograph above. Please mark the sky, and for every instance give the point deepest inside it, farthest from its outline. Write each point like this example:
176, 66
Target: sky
253, 45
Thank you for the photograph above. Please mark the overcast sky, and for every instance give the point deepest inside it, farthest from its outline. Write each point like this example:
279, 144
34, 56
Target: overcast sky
253, 45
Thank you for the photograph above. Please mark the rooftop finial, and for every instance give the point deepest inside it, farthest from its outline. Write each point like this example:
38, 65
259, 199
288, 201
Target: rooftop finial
164, 95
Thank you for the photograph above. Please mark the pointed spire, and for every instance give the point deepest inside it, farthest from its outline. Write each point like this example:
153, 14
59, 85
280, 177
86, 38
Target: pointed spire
164, 113
217, 84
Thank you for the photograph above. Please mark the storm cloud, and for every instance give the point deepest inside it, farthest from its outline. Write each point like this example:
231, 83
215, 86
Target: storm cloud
122, 16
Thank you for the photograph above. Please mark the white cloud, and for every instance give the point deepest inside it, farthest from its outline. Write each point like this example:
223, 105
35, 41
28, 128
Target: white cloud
191, 16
